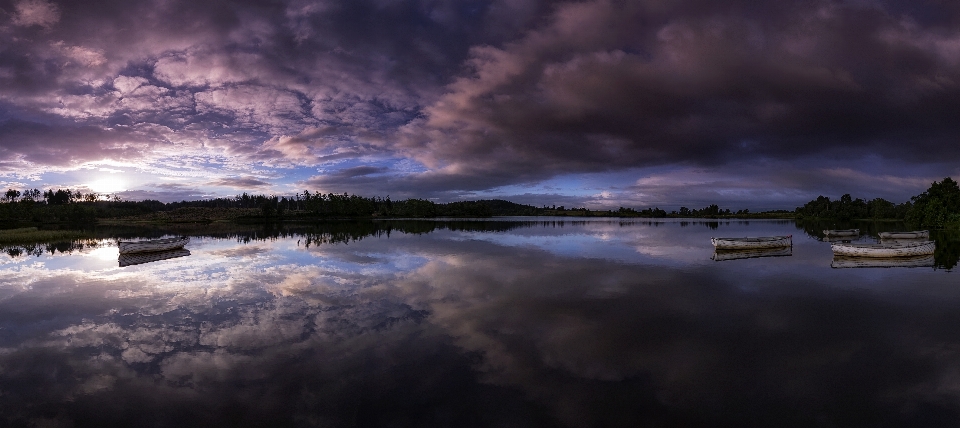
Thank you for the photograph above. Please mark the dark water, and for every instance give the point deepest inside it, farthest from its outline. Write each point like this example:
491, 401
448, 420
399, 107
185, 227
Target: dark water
496, 323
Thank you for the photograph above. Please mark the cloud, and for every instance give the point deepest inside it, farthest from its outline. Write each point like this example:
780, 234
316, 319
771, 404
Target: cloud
206, 69
127, 84
606, 85
84, 56
244, 252
770, 185
240, 183
255, 107
36, 12
167, 193
57, 146
302, 148
482, 96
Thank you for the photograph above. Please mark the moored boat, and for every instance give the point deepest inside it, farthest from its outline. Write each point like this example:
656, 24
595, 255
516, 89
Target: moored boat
842, 232
840, 262
724, 255
128, 247
130, 259
752, 243
916, 234
884, 250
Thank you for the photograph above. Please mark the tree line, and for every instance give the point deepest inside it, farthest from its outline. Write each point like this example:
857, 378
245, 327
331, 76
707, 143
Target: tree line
937, 207
58, 197
66, 205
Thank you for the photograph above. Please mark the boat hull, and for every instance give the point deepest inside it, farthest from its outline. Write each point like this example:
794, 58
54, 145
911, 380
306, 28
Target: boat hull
884, 250
845, 232
917, 234
130, 247
752, 243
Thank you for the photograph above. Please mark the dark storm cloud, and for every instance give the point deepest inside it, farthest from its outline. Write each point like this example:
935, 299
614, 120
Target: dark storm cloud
385, 181
608, 84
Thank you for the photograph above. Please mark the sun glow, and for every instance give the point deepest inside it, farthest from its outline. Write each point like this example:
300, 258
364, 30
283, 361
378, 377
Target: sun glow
105, 253
108, 185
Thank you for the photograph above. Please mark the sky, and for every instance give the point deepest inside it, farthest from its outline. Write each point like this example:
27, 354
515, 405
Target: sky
596, 103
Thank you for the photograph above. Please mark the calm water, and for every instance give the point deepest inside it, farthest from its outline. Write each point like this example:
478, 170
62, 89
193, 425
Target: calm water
497, 323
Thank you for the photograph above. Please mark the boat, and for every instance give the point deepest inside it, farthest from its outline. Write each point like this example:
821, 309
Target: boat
916, 234
128, 247
842, 232
131, 259
752, 243
840, 262
724, 255
918, 248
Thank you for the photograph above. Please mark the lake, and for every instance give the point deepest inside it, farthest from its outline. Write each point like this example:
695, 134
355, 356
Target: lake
504, 322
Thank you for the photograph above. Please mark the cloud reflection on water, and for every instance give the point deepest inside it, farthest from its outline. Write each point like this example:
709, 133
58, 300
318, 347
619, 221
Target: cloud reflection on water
467, 329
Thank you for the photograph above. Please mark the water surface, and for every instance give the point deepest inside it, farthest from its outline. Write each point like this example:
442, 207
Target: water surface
513, 322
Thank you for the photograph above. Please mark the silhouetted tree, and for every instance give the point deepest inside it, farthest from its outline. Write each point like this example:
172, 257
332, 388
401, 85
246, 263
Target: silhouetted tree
937, 206
11, 195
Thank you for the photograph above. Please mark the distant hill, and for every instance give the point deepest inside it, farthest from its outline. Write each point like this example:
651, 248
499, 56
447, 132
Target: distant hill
500, 207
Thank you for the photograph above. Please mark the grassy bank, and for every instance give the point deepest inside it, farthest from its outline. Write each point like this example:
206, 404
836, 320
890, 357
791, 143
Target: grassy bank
32, 234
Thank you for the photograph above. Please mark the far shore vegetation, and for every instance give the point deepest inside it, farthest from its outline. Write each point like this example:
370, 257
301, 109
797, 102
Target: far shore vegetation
936, 208
32, 215
64, 206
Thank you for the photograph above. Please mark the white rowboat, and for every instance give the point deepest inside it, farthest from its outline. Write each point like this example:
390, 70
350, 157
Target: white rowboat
723, 255
843, 232
871, 262
752, 243
131, 259
127, 247
917, 234
884, 250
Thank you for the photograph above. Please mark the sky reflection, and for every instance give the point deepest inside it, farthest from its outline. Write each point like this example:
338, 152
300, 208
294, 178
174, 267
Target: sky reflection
597, 323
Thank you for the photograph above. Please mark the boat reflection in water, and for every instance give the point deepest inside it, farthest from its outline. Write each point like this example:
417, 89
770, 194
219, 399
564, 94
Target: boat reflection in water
141, 258
840, 262
839, 238
885, 250
844, 232
723, 255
